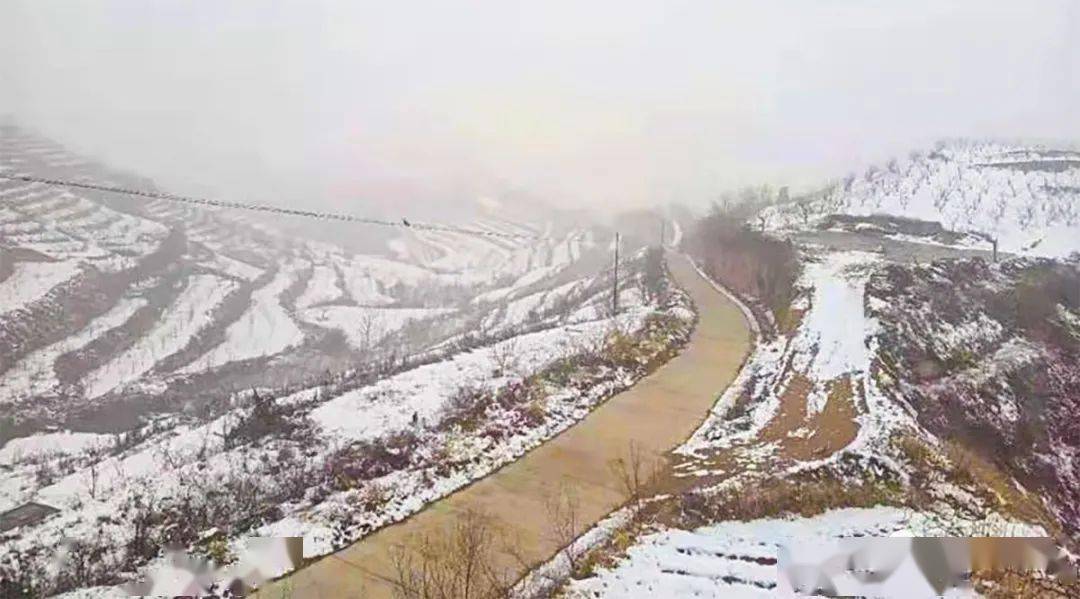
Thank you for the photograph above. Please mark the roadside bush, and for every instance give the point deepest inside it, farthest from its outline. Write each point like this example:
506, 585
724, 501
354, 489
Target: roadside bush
465, 409
368, 460
266, 417
1037, 296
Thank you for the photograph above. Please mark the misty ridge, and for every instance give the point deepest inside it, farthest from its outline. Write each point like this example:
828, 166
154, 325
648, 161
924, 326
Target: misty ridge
508, 300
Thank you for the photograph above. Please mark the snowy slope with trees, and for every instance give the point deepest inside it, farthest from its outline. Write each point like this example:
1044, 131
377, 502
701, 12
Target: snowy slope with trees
1027, 198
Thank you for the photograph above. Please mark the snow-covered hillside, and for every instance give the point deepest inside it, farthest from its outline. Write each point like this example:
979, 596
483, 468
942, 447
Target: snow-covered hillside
108, 300
1025, 197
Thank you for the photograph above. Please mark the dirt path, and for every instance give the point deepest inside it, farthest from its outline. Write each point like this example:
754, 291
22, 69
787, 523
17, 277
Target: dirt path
656, 414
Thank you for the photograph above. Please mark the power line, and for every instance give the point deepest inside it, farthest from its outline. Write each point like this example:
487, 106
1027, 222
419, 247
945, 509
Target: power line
204, 202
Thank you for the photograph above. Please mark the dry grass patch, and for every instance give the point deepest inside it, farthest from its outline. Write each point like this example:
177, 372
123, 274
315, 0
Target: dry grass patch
827, 432
775, 497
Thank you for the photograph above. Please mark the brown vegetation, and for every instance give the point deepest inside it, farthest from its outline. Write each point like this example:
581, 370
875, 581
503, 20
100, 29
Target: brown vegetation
803, 496
752, 264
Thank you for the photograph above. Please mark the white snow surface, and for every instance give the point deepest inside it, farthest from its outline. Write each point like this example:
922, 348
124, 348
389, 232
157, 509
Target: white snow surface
50, 444
725, 560
833, 337
389, 404
266, 328
34, 373
836, 338
188, 313
30, 281
323, 287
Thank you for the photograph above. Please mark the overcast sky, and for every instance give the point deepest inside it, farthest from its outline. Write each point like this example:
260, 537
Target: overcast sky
580, 103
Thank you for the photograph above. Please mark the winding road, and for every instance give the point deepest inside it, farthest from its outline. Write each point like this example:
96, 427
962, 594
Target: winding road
657, 414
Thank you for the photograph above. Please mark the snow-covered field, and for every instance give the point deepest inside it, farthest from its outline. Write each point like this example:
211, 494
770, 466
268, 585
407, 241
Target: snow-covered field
30, 281
779, 556
264, 329
363, 326
100, 249
835, 341
182, 320
322, 288
34, 374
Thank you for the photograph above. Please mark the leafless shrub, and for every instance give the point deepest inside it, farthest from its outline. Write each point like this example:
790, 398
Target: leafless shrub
92, 476
636, 472
754, 265
457, 565
1022, 584
504, 355
771, 497
564, 521
266, 417
363, 461
44, 474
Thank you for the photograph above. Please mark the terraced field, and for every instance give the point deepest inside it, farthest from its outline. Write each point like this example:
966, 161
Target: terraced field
110, 302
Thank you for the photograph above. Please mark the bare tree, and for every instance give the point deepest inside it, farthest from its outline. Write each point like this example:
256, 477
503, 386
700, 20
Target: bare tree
564, 520
92, 483
504, 355
370, 326
804, 208
831, 196
458, 565
637, 473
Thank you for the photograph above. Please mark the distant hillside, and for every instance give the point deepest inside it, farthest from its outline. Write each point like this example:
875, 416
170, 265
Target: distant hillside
1026, 197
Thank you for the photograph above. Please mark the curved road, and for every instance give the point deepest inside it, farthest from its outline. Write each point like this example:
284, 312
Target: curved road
657, 414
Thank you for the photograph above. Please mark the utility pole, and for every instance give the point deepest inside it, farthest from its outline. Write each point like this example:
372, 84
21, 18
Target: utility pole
615, 280
662, 223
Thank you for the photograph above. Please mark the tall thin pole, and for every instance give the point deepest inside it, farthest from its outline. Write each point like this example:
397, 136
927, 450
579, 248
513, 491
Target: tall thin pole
615, 281
662, 223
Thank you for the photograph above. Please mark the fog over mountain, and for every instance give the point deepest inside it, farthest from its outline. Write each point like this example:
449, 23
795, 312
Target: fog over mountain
365, 105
